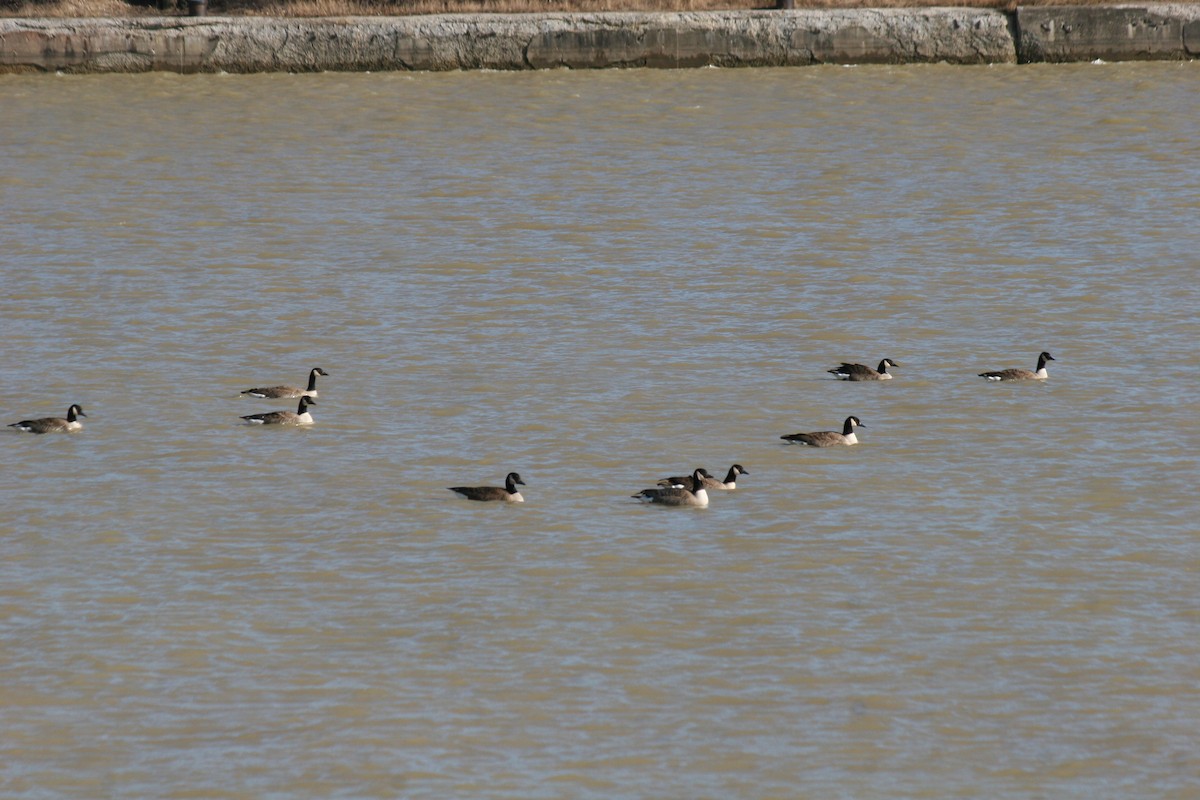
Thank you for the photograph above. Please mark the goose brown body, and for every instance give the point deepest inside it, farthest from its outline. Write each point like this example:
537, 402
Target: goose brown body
298, 417
508, 493
677, 495
287, 392
53, 424
861, 372
709, 482
827, 438
1017, 374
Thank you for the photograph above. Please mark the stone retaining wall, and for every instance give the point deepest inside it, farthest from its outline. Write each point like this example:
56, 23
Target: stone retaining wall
1111, 33
544, 41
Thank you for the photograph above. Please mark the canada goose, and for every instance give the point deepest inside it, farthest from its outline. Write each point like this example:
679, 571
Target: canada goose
861, 372
298, 417
827, 438
276, 392
1017, 374
677, 495
508, 494
687, 482
52, 424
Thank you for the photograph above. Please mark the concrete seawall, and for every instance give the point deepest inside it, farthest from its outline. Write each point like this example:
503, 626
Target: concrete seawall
591, 41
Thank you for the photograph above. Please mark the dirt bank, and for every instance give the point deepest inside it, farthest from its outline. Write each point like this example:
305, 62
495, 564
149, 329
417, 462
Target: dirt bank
578, 41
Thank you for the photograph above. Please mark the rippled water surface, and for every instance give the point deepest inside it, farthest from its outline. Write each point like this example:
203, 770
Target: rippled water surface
599, 279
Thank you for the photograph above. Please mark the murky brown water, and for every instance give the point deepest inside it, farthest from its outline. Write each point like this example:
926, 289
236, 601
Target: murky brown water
598, 279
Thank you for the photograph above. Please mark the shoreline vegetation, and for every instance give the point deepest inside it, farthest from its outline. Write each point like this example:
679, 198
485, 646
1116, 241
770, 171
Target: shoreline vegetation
64, 9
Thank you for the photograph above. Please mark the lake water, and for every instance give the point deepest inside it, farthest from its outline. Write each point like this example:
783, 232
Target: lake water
597, 280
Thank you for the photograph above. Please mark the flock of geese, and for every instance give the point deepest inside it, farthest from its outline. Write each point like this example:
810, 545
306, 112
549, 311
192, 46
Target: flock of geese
677, 490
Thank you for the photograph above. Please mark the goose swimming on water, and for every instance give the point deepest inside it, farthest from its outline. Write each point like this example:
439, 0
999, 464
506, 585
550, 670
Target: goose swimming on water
861, 372
283, 392
1017, 374
298, 417
508, 494
678, 495
53, 424
688, 482
827, 438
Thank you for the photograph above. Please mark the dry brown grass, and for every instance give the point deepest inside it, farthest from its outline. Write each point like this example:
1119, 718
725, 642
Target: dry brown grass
344, 8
